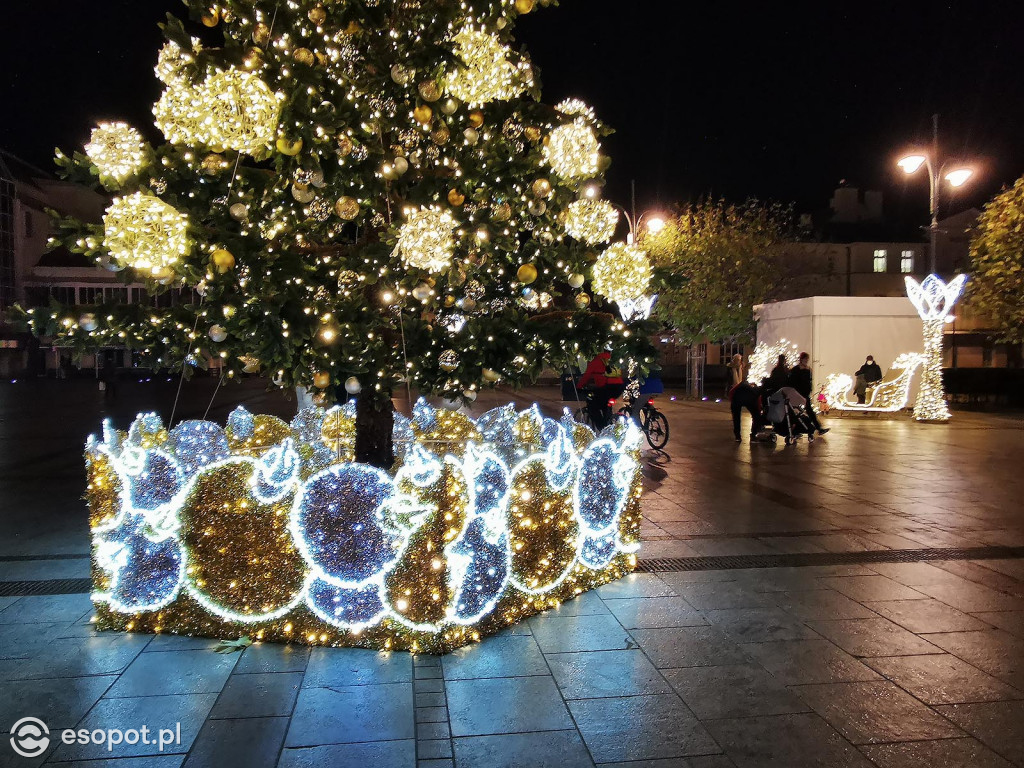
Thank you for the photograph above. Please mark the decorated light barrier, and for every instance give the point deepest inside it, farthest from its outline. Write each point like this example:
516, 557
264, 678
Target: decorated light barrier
271, 530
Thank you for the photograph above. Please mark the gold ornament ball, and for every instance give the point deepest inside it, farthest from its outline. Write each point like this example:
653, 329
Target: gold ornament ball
321, 379
213, 164
290, 148
423, 113
541, 188
210, 18
455, 198
223, 260
347, 208
261, 34
526, 274
429, 90
440, 135
582, 300
524, 6
239, 211
305, 56
317, 15
532, 133
345, 145
476, 118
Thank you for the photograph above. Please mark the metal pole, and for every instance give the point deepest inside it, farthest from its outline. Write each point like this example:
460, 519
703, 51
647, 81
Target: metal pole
934, 171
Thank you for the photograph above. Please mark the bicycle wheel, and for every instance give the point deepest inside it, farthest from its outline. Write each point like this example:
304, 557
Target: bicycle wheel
657, 430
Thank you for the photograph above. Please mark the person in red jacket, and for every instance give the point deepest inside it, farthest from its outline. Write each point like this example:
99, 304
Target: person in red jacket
607, 385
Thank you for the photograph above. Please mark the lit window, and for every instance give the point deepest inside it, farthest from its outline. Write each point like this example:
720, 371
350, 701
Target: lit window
881, 260
907, 262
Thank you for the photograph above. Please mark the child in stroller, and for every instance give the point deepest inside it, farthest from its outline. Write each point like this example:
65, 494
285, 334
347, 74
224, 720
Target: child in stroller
787, 413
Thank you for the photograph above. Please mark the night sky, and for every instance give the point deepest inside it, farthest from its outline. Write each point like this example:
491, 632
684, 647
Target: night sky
775, 100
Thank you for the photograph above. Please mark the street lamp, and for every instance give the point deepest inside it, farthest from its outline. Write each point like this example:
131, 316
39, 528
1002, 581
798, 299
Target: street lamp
938, 169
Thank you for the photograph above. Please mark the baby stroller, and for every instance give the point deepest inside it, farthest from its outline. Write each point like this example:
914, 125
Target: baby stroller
787, 413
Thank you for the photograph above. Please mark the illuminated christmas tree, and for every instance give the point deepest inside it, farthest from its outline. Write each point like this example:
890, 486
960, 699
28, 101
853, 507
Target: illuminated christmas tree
355, 195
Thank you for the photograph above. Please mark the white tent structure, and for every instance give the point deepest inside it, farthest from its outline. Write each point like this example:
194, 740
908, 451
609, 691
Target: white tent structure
840, 331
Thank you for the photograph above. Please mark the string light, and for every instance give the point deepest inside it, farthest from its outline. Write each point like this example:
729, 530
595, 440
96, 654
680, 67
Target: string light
765, 356
210, 531
887, 396
934, 300
622, 272
117, 150
145, 233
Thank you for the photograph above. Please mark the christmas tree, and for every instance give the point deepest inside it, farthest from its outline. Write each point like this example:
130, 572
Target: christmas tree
355, 197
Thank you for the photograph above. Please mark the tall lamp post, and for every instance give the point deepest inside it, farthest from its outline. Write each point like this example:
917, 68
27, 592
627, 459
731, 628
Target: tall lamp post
938, 169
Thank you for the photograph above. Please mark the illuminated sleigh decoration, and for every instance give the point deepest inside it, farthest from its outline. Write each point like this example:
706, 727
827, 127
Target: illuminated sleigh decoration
889, 395
270, 530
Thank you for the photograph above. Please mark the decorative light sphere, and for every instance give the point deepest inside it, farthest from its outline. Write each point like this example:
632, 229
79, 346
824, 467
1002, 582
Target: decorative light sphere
170, 63
572, 150
622, 272
145, 233
233, 109
352, 385
117, 150
218, 333
591, 221
487, 74
426, 240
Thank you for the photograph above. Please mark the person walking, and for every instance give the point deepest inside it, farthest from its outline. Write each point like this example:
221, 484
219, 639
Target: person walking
746, 395
801, 379
737, 369
778, 378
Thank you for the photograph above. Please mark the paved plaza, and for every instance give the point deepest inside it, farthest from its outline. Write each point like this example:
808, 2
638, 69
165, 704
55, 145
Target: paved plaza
792, 609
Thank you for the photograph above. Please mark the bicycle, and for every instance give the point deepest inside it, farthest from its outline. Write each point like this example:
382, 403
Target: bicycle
653, 423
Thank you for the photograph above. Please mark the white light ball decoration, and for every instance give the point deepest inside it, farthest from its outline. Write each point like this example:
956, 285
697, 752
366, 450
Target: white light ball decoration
573, 151
622, 273
574, 107
426, 240
170, 63
591, 221
117, 150
88, 322
230, 109
218, 333
145, 233
352, 385
488, 75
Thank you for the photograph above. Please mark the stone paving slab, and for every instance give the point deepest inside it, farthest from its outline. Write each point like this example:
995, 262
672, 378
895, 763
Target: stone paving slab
896, 665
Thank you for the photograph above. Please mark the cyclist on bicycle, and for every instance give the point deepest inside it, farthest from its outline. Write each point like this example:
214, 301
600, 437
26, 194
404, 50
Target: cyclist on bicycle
603, 383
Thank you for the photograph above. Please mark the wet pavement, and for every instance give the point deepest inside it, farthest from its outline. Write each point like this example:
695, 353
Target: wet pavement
879, 618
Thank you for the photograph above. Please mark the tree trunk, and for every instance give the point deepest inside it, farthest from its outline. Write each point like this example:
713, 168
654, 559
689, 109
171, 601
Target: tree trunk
375, 420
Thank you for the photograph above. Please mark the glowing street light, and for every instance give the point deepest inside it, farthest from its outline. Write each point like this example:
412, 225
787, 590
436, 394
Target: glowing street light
937, 170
